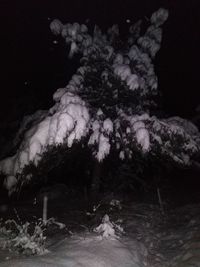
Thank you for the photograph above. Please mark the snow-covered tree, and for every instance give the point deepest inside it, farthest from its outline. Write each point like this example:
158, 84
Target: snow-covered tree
109, 102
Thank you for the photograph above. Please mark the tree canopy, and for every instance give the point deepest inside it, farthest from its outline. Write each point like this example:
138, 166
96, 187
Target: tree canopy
110, 102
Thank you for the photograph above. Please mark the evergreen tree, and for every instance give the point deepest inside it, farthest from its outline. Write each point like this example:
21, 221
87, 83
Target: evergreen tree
109, 104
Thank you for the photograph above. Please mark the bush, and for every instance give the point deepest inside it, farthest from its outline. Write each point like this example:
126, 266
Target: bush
27, 238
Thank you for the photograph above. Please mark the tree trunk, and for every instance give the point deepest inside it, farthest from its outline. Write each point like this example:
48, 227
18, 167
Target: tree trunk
95, 181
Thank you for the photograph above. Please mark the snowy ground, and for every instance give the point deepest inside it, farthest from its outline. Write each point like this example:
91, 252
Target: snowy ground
88, 250
150, 238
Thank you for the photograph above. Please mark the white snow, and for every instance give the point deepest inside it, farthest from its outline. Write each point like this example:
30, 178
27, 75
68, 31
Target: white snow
187, 125
99, 112
78, 79
142, 137
106, 228
28, 122
121, 155
88, 250
159, 17
94, 137
137, 125
149, 45
133, 82
123, 71
68, 122
56, 26
73, 49
158, 139
134, 52
152, 82
58, 94
108, 126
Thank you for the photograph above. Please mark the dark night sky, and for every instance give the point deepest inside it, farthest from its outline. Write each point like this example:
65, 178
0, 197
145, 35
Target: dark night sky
30, 55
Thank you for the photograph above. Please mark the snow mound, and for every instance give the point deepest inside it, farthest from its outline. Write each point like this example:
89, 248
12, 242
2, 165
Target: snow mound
87, 251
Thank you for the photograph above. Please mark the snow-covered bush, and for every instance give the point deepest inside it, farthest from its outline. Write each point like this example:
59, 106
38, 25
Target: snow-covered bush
108, 229
27, 238
109, 102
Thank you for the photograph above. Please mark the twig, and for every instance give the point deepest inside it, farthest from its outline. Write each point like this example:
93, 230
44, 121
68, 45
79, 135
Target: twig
17, 215
160, 201
44, 215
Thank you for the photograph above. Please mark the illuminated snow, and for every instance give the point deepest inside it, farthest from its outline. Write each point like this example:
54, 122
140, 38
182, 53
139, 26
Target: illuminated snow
134, 53
187, 125
142, 137
108, 126
137, 125
56, 26
121, 155
133, 82
99, 112
87, 250
67, 124
106, 228
73, 49
148, 45
159, 17
123, 71
58, 94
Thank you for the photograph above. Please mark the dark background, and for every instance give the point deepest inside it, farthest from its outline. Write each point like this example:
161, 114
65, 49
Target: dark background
33, 67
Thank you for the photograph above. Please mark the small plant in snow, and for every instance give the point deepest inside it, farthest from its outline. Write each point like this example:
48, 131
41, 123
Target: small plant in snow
26, 238
107, 228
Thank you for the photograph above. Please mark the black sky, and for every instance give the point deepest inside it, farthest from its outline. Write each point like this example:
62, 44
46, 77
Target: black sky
33, 67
